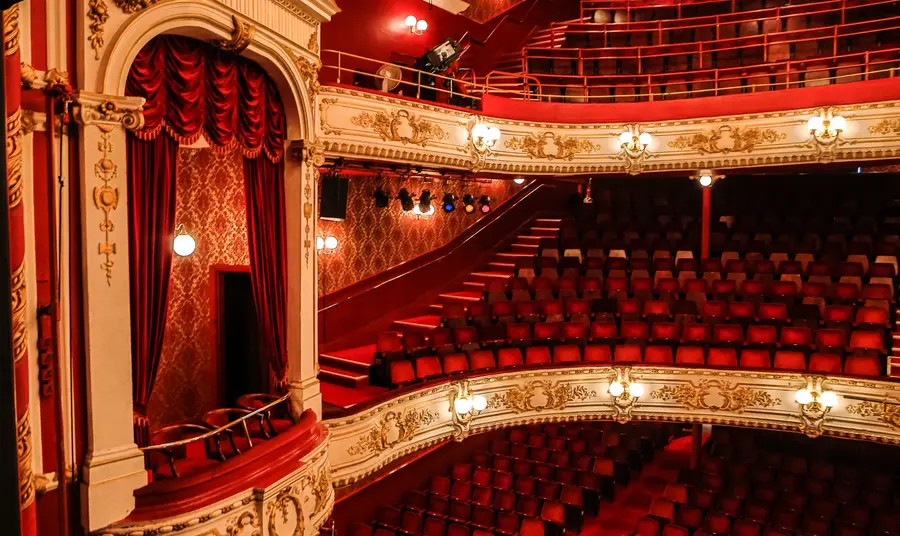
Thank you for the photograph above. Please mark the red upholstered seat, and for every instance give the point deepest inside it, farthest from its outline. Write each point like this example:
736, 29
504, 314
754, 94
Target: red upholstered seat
427, 367
635, 331
755, 358
359, 529
455, 364
518, 333
658, 354
675, 530
728, 334
665, 332
547, 331
537, 355
772, 313
465, 336
482, 360
597, 354
873, 317
627, 353
758, 335
410, 523
566, 354
509, 357
696, 333
388, 517
867, 340
604, 331
863, 365
717, 523
722, 357
825, 363
690, 355
648, 526
455, 529
741, 311
402, 372
796, 337
574, 332
713, 311
838, 315
790, 360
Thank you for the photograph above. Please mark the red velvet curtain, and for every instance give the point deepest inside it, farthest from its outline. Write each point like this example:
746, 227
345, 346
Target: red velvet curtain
193, 89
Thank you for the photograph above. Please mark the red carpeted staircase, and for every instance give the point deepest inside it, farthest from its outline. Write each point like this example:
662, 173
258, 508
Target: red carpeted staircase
344, 374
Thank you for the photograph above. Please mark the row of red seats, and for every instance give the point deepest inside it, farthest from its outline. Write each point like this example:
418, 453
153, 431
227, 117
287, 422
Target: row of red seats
403, 371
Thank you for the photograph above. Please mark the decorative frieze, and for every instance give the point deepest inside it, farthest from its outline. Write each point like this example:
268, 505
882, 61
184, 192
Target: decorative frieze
727, 139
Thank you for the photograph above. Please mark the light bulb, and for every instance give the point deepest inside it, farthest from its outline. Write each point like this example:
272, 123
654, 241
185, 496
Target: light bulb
480, 130
410, 22
479, 403
320, 243
616, 389
803, 397
421, 26
519, 180
636, 389
184, 244
829, 399
838, 123
463, 406
493, 134
814, 123
625, 138
705, 181
644, 138
331, 242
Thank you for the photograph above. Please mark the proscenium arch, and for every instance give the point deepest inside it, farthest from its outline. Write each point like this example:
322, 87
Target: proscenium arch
209, 21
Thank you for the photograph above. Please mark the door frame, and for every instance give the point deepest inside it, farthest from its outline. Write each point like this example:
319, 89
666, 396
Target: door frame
216, 301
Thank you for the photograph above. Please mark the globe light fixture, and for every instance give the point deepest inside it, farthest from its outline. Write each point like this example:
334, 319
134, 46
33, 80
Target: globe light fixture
826, 130
519, 180
183, 244
416, 26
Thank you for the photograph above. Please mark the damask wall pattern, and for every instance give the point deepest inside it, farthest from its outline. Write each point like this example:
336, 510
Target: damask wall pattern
210, 204
374, 239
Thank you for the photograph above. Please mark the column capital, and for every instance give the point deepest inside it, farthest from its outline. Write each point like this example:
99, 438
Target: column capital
108, 111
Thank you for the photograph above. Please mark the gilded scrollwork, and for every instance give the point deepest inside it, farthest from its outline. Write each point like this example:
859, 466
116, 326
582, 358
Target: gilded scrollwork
98, 13
886, 412
23, 449
319, 485
287, 502
327, 129
727, 139
14, 136
401, 126
29, 76
313, 44
11, 30
313, 155
309, 71
393, 428
716, 395
238, 526
540, 395
133, 6
241, 36
18, 318
886, 126
561, 147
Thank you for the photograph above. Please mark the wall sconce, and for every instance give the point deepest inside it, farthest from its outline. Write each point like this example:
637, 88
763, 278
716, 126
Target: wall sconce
815, 402
482, 139
184, 244
326, 245
826, 133
633, 143
706, 178
624, 391
415, 26
465, 406
519, 180
587, 193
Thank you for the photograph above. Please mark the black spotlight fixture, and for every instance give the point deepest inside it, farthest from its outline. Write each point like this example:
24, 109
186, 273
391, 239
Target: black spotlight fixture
449, 202
382, 198
406, 200
425, 202
469, 203
485, 203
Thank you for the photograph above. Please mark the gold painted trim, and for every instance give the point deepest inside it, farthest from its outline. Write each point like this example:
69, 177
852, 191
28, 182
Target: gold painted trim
14, 136
241, 36
392, 127
744, 139
703, 395
534, 145
17, 306
23, 449
11, 30
392, 429
549, 395
98, 13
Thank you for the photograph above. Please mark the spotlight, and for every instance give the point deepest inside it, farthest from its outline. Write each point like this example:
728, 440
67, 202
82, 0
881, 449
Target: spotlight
406, 200
485, 203
425, 202
519, 180
469, 203
449, 202
382, 198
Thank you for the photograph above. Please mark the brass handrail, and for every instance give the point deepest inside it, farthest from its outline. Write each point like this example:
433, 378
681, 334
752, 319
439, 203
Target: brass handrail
218, 430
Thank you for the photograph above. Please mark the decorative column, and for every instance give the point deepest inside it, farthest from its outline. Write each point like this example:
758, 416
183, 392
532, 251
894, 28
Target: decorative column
14, 134
301, 175
113, 467
706, 179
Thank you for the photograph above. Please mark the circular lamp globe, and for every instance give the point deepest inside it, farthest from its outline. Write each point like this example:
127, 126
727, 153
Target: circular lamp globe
184, 245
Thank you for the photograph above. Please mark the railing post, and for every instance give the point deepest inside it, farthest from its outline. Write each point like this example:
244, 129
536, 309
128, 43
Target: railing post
765, 47
834, 46
866, 59
339, 67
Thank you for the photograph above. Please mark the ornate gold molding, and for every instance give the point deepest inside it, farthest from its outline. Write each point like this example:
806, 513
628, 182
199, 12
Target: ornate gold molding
401, 126
133, 6
29, 76
241, 36
11, 30
106, 198
314, 157
886, 126
540, 395
23, 449
17, 307
287, 501
319, 485
109, 112
237, 524
14, 136
32, 121
886, 412
716, 395
327, 129
309, 71
393, 428
727, 139
535, 146
313, 44
98, 13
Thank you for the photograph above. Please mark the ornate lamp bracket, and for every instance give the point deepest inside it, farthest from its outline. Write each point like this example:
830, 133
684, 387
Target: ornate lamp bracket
633, 144
465, 406
815, 403
826, 129
480, 141
624, 390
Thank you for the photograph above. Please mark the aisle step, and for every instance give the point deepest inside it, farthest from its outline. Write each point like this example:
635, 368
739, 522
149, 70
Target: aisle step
346, 378
529, 239
484, 277
417, 323
511, 256
357, 359
474, 286
526, 248
496, 266
460, 296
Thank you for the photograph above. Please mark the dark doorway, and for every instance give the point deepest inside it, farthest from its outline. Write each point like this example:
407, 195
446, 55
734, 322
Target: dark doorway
244, 368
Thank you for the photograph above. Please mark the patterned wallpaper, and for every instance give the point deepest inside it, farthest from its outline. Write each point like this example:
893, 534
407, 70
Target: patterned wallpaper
485, 10
374, 239
211, 206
